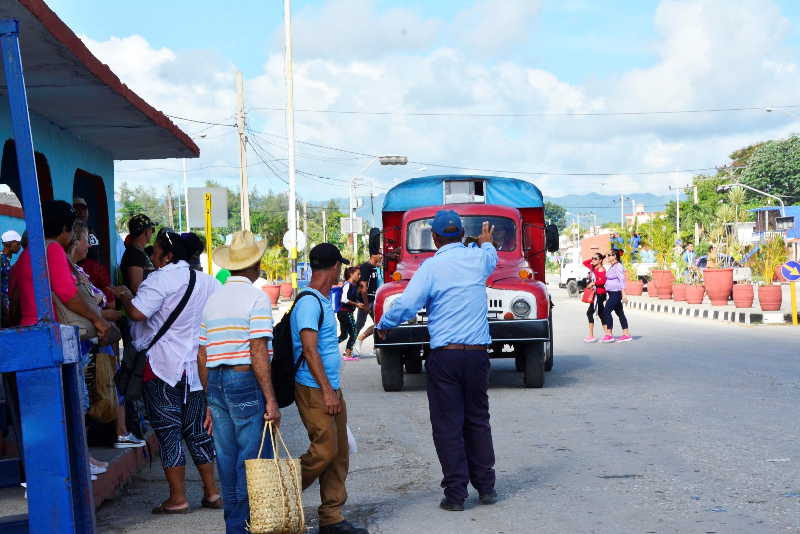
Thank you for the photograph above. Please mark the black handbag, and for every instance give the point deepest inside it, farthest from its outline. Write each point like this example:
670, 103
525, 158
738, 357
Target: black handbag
129, 376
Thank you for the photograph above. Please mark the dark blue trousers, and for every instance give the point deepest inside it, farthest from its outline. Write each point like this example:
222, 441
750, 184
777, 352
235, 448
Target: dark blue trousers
459, 404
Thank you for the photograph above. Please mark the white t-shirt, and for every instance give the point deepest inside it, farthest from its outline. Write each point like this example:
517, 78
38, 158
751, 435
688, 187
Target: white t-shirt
176, 351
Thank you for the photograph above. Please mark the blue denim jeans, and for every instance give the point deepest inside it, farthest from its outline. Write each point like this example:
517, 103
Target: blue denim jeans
237, 408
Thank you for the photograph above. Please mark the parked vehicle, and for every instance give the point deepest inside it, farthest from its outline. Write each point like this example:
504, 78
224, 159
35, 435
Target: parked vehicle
518, 301
572, 272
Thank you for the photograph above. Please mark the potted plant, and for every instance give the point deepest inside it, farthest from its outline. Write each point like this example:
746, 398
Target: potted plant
275, 268
694, 286
718, 275
633, 286
771, 255
679, 285
662, 239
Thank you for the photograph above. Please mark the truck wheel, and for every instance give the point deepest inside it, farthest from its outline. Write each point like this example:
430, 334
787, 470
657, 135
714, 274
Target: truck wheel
533, 375
392, 370
519, 363
413, 365
548, 353
572, 288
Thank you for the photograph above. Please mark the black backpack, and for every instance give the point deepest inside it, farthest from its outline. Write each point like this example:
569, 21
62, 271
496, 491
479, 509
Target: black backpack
283, 366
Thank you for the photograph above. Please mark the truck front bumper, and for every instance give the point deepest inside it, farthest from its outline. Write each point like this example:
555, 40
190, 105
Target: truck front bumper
501, 331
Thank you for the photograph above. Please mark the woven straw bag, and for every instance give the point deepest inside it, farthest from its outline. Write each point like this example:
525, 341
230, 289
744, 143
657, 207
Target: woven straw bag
274, 489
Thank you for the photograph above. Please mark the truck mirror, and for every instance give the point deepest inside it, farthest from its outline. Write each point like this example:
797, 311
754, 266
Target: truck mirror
551, 238
374, 241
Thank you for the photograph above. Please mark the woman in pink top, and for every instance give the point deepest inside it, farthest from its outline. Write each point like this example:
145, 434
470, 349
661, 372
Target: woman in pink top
58, 218
615, 284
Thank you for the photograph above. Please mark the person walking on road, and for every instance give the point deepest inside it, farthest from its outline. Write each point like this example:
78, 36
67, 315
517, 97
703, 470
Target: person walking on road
451, 286
368, 287
598, 283
173, 394
234, 366
350, 301
318, 392
615, 284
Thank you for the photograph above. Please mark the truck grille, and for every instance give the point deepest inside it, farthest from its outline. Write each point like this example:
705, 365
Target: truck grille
495, 304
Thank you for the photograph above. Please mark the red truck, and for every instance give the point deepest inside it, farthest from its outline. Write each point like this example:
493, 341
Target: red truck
520, 320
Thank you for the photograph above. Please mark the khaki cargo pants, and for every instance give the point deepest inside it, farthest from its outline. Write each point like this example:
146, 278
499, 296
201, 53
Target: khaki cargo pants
328, 455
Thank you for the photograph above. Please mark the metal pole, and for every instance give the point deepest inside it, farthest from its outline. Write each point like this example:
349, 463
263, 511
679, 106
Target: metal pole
287, 23
180, 212
622, 210
244, 193
209, 231
678, 212
353, 209
185, 196
695, 201
324, 226
170, 218
793, 290
305, 229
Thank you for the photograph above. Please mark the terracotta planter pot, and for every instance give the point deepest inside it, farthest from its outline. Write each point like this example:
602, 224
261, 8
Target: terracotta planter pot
770, 297
743, 295
634, 288
719, 284
663, 280
695, 294
286, 290
273, 292
679, 292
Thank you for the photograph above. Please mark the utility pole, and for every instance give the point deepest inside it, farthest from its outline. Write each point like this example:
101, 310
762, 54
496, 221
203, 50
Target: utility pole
696, 224
622, 210
678, 212
185, 195
353, 209
324, 226
305, 228
287, 23
170, 218
244, 193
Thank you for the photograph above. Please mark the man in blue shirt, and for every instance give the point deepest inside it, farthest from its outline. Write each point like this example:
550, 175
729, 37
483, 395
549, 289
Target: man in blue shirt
452, 287
317, 390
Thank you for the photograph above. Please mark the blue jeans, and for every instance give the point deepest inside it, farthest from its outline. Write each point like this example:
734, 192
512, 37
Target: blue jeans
237, 408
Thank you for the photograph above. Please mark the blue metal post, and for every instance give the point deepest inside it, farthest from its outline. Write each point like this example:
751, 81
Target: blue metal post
23, 140
45, 357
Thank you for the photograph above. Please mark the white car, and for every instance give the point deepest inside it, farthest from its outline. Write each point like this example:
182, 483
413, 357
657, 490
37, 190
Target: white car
572, 271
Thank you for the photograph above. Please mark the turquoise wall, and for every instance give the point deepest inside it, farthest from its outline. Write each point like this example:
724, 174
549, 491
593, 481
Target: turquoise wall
65, 154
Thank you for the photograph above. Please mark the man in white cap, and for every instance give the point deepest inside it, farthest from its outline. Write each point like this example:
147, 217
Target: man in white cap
11, 246
234, 366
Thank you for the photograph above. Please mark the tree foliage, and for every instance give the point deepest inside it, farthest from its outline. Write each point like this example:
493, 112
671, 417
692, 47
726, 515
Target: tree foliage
555, 214
774, 167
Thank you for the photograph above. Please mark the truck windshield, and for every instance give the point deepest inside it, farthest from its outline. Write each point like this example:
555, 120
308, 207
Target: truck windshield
420, 238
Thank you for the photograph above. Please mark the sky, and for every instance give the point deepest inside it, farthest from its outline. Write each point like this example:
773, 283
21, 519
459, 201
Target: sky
553, 70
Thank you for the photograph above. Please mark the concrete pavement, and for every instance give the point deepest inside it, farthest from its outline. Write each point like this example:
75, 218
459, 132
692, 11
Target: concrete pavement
690, 428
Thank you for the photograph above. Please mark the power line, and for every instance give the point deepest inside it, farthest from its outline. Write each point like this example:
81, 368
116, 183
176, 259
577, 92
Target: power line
504, 171
531, 114
199, 121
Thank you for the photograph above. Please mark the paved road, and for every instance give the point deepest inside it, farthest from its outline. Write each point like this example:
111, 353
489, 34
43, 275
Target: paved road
692, 428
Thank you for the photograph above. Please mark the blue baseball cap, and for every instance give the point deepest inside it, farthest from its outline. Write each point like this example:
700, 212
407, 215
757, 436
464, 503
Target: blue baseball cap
447, 219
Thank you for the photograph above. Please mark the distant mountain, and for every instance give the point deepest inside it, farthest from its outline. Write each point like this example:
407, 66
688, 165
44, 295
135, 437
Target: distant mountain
605, 206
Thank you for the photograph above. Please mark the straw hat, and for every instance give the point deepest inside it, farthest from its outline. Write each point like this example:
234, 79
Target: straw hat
243, 252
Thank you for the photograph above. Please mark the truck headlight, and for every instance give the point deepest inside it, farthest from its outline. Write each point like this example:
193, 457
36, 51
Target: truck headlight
520, 307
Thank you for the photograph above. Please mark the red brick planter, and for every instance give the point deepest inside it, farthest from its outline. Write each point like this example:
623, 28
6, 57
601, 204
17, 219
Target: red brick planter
770, 297
719, 284
679, 292
663, 280
695, 294
743, 295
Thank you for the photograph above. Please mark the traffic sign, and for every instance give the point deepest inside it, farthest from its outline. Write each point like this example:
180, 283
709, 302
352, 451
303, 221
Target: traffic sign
197, 207
791, 270
288, 240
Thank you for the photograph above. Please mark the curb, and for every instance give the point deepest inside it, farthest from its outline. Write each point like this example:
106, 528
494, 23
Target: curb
699, 311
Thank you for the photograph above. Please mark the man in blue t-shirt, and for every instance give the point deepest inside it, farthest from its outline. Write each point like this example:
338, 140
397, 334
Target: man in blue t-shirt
317, 390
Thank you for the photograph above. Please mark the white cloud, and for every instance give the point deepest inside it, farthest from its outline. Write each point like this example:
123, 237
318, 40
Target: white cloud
712, 53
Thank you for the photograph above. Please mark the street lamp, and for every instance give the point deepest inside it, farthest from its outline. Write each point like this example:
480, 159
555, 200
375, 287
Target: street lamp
727, 187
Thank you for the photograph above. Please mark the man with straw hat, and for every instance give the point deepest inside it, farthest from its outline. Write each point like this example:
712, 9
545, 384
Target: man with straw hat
234, 365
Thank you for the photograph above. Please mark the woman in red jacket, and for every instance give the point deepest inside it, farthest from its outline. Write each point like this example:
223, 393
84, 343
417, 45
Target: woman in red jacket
598, 282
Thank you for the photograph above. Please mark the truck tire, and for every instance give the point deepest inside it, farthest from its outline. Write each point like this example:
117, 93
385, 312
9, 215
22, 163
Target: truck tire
572, 288
413, 365
533, 374
392, 369
548, 352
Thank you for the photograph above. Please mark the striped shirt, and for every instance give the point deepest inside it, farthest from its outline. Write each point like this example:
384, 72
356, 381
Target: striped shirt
234, 315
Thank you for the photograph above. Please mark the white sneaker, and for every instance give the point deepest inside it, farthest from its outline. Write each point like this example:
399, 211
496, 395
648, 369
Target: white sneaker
128, 441
96, 469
